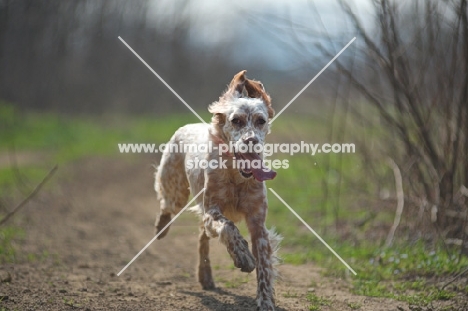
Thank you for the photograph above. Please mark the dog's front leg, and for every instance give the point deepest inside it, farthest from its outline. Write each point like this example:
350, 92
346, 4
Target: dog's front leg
216, 224
263, 253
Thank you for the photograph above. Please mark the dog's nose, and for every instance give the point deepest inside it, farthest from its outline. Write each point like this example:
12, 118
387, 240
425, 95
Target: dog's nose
249, 139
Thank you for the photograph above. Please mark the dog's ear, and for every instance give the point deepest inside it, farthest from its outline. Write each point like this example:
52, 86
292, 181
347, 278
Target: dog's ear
255, 89
218, 109
241, 86
236, 87
218, 119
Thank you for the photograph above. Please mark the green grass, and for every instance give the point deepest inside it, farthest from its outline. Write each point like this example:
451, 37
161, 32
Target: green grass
234, 283
8, 235
404, 273
289, 294
11, 179
70, 302
354, 305
316, 303
66, 138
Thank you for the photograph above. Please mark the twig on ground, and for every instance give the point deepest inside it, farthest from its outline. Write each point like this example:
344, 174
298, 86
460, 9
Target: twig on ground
30, 196
454, 278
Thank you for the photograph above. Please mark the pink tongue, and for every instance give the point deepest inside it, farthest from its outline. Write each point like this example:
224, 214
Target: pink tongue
260, 174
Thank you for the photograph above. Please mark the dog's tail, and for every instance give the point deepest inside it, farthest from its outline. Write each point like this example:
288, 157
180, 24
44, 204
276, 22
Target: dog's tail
275, 240
197, 209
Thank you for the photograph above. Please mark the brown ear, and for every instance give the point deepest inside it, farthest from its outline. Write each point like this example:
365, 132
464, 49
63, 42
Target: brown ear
237, 83
255, 89
218, 119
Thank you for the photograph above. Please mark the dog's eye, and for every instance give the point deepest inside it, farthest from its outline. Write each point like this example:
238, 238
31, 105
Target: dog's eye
261, 121
236, 121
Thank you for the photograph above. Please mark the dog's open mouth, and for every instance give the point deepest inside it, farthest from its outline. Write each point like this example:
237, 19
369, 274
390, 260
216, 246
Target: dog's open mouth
251, 164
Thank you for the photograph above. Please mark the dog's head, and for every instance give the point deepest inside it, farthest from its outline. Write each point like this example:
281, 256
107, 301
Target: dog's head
241, 116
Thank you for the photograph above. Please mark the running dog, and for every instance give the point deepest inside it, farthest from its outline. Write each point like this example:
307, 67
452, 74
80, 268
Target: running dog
234, 188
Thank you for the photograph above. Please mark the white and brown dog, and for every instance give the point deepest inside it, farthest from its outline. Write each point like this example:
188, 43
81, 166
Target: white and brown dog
240, 118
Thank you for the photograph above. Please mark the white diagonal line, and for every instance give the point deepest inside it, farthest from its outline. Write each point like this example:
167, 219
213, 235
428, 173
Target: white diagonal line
313, 79
162, 80
313, 231
157, 235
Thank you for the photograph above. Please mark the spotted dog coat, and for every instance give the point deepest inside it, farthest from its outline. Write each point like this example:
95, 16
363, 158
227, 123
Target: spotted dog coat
231, 194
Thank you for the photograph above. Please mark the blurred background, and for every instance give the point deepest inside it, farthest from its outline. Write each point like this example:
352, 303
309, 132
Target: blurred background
64, 56
70, 90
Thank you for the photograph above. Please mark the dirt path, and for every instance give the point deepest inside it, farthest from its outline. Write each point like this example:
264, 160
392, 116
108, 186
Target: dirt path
99, 217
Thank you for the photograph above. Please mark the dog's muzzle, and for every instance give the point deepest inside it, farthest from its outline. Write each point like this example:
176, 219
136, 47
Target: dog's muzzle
253, 165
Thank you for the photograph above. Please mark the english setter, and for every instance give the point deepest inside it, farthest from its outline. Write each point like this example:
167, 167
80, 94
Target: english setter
232, 192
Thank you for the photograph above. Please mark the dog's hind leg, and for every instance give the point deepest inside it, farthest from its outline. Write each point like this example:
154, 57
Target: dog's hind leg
204, 267
172, 187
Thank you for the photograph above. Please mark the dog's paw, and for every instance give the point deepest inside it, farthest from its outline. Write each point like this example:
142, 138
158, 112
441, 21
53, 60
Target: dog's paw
208, 284
242, 256
205, 278
163, 220
266, 306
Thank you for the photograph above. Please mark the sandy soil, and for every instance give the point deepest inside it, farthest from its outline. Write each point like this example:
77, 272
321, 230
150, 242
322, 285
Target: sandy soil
100, 214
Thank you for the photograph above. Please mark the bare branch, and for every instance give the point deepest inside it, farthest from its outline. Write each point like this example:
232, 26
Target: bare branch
30, 196
400, 201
